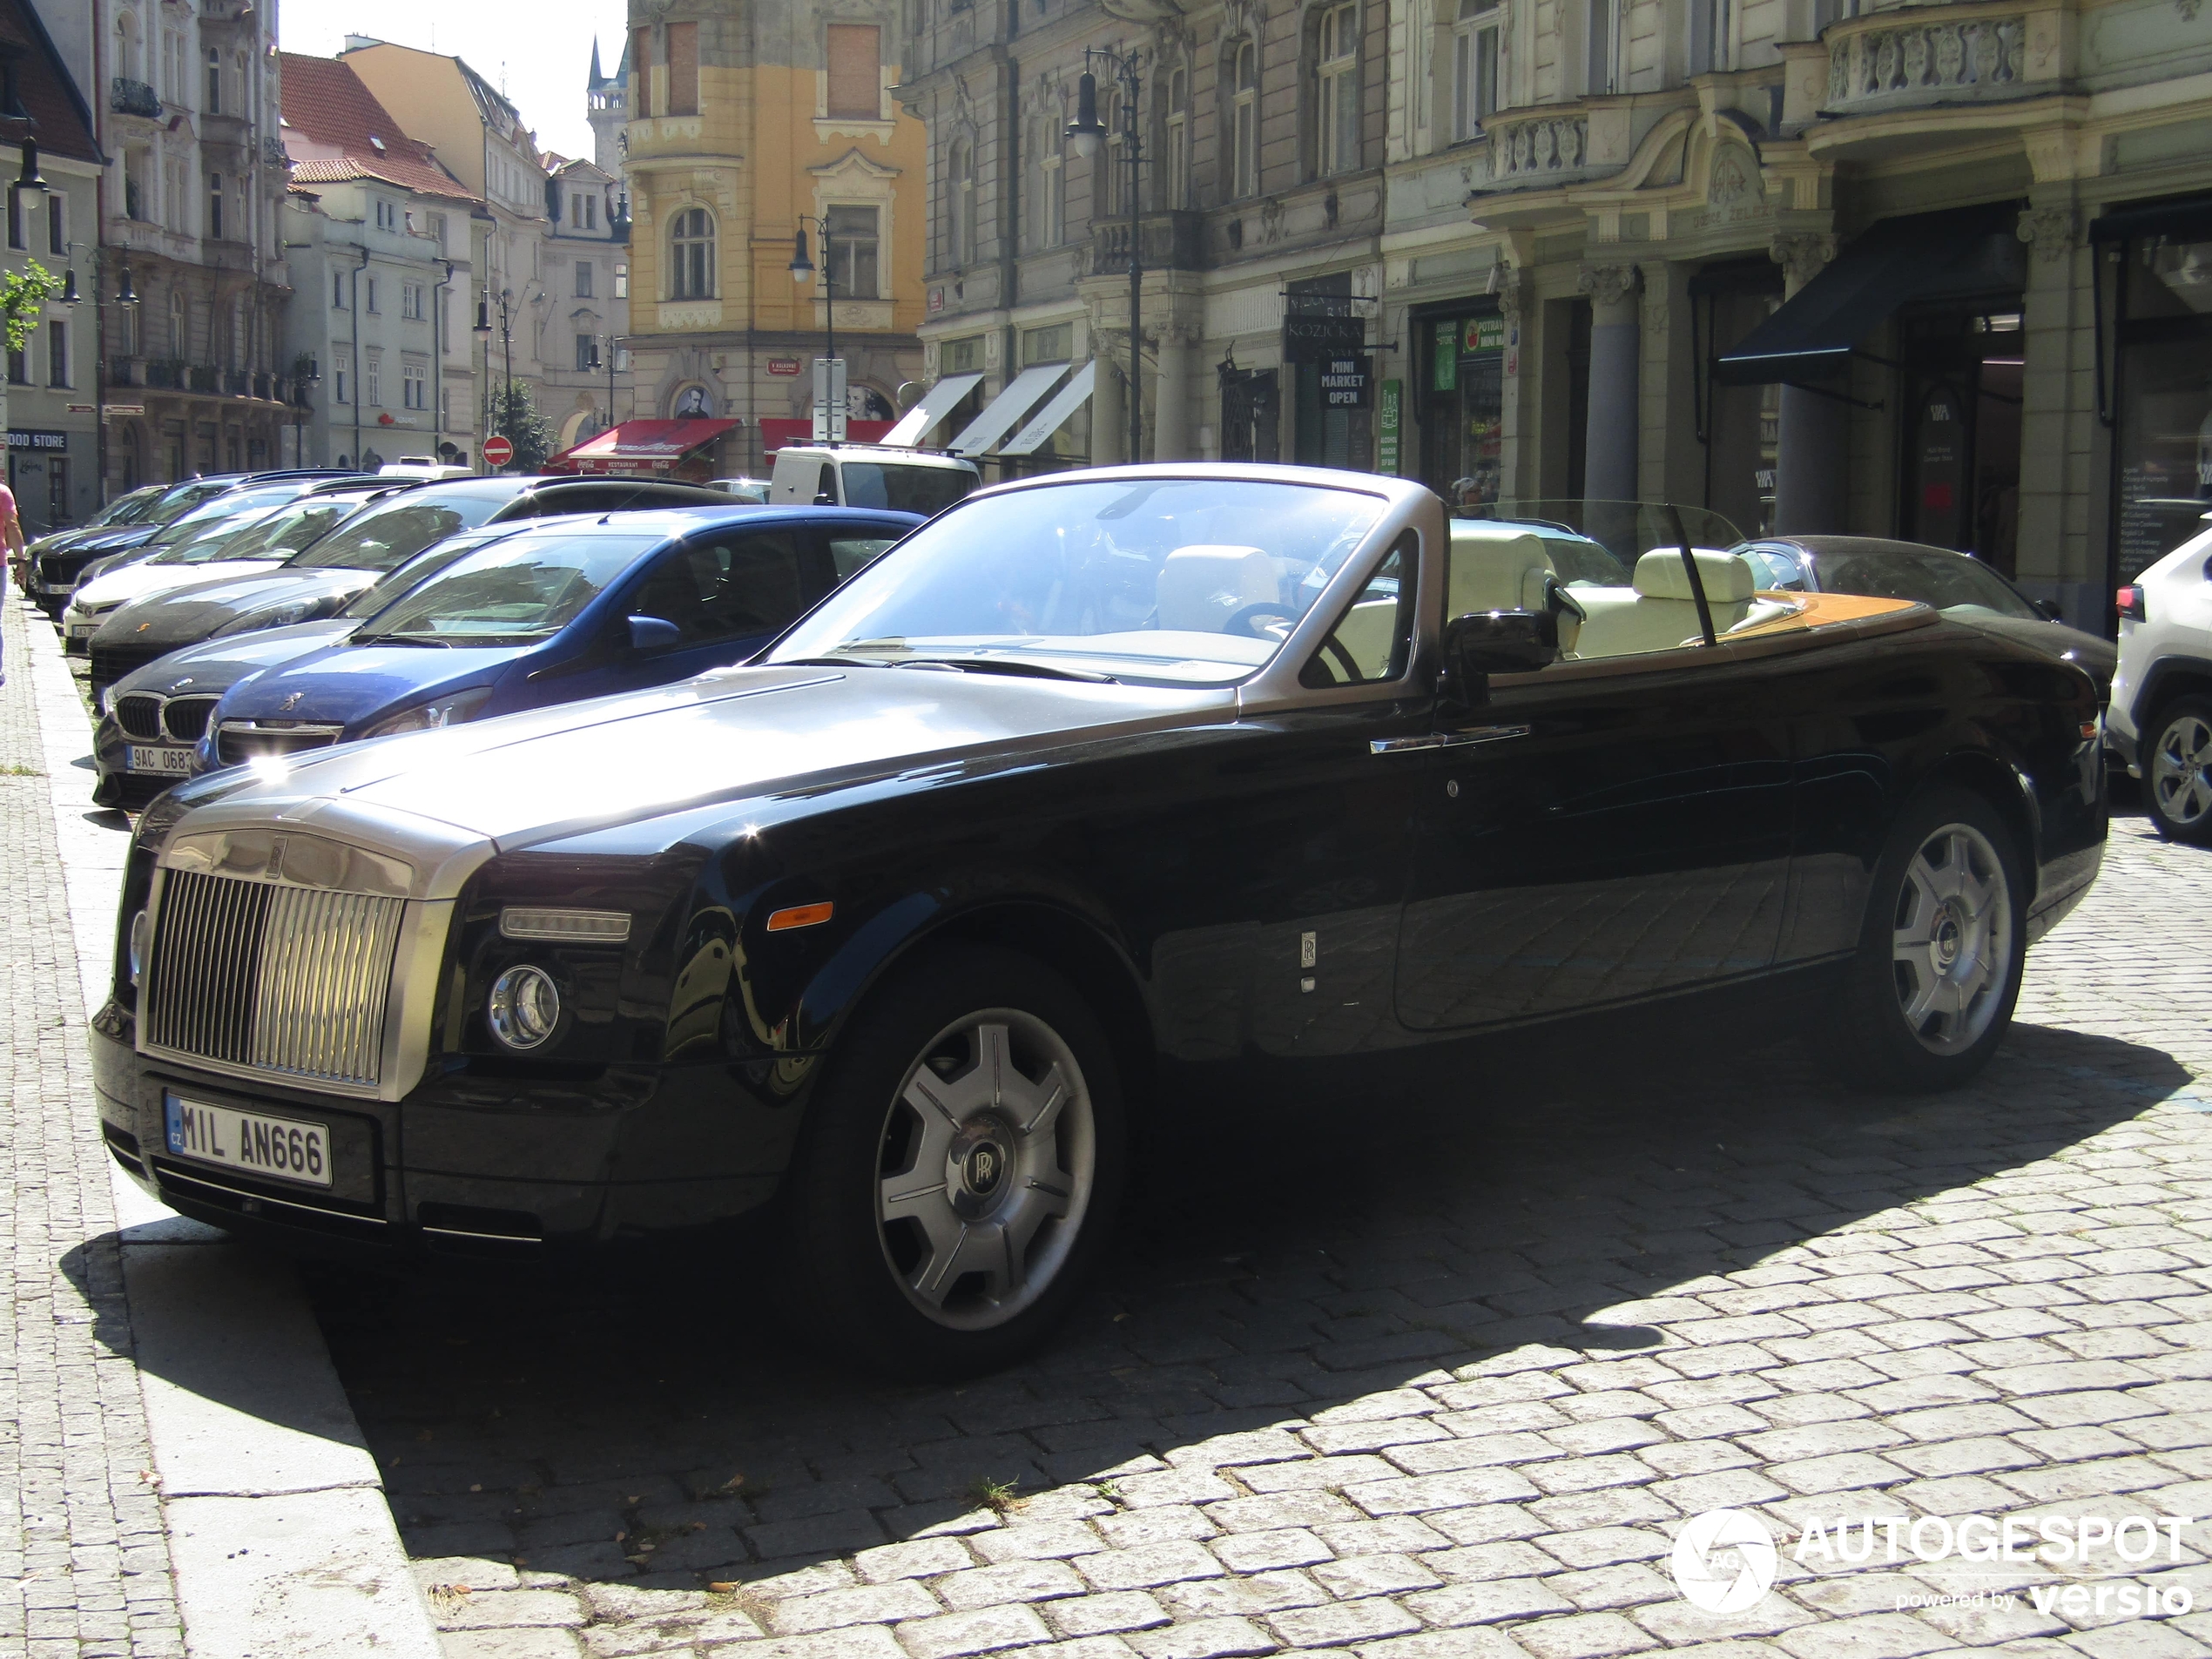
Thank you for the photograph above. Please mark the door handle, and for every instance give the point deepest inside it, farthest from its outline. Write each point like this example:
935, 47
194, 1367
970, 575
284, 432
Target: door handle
1447, 740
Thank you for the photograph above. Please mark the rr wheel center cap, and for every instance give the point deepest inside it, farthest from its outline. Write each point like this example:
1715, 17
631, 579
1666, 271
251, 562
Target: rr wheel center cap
979, 1167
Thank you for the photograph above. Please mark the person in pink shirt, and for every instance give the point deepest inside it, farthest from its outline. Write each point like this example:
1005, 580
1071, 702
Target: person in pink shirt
12, 538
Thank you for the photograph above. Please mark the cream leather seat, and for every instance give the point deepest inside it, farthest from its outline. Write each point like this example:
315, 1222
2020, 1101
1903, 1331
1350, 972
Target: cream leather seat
1499, 567
1659, 613
1202, 587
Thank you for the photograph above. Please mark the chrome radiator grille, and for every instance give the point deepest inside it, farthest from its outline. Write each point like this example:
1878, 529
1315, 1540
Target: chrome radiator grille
290, 981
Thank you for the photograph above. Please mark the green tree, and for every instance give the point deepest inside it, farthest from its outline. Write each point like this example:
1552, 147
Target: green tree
22, 294
515, 417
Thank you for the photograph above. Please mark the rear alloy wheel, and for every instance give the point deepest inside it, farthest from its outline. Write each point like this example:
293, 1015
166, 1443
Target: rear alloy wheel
960, 1167
2177, 771
1929, 994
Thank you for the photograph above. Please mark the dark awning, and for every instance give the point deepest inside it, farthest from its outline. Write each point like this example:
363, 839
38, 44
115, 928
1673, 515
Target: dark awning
1927, 256
2189, 220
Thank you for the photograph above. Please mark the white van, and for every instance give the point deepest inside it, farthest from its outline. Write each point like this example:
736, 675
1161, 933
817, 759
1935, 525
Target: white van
869, 474
427, 467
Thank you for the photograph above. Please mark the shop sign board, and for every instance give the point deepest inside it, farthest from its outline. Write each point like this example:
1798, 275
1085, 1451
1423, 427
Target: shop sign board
31, 438
783, 366
1316, 340
1388, 424
1347, 382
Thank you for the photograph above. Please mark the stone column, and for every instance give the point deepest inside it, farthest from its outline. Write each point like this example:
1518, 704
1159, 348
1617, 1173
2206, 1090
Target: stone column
1812, 453
1171, 397
1515, 444
1109, 416
1617, 346
2052, 559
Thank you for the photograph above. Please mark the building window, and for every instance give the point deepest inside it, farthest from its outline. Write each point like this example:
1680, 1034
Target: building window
215, 206
1054, 343
683, 68
622, 282
15, 219
852, 252
436, 224
57, 225
1112, 171
338, 289
1598, 49
1175, 177
58, 353
587, 351
388, 216
583, 279
342, 393
214, 105
959, 210
1475, 41
1708, 35
1336, 104
1244, 124
1052, 183
690, 249
414, 384
855, 77
587, 212
371, 305
411, 301
372, 380
19, 369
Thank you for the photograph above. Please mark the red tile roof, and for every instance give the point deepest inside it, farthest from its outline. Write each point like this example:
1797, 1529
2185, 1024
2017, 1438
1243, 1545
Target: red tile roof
325, 102
59, 120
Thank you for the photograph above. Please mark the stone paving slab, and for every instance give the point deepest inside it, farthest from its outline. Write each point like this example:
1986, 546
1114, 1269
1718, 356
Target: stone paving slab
1419, 1380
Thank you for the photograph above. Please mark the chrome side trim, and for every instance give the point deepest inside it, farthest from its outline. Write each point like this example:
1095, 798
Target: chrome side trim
1447, 740
463, 1232
411, 1009
165, 1173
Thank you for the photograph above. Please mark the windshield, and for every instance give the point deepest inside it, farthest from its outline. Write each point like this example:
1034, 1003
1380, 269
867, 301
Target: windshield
217, 538
387, 536
222, 509
270, 533
1172, 579
183, 498
928, 490
416, 570
514, 592
125, 510
1946, 580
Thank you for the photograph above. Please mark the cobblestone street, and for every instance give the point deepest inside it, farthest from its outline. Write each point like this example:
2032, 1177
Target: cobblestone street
1412, 1379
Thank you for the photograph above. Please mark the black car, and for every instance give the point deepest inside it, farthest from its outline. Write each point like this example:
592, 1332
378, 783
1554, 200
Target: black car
901, 926
323, 578
1959, 585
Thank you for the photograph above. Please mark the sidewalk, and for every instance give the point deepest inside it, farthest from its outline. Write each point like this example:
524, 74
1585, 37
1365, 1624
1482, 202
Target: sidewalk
180, 1471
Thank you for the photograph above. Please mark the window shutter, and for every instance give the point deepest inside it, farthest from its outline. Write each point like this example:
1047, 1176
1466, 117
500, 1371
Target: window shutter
855, 71
683, 68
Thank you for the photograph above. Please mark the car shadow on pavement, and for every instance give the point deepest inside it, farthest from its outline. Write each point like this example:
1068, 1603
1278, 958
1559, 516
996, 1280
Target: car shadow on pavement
651, 1422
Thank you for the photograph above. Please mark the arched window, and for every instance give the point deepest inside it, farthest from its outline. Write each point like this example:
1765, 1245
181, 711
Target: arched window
691, 256
1336, 101
1243, 122
959, 204
214, 104
1109, 180
1476, 39
127, 61
1051, 149
1175, 176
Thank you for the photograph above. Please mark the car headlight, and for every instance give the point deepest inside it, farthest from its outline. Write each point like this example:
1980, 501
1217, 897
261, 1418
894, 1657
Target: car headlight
523, 1008
281, 616
429, 716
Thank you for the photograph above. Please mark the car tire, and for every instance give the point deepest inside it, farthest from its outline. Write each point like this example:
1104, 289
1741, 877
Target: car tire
933, 1226
2177, 771
1946, 922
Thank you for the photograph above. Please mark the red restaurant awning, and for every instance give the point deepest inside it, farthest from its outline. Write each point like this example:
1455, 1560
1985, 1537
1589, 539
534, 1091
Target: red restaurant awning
639, 446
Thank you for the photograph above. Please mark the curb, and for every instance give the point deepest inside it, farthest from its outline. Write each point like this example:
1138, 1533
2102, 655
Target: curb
280, 1541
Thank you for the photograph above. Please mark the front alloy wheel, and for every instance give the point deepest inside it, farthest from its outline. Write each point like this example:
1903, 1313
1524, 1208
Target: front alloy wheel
989, 1155
1952, 938
2179, 775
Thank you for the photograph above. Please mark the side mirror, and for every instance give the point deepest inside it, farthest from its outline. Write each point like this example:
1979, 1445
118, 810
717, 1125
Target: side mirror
653, 633
823, 498
2048, 610
1484, 643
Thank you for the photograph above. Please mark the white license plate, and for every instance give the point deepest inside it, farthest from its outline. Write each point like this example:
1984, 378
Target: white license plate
175, 763
83, 629
284, 1149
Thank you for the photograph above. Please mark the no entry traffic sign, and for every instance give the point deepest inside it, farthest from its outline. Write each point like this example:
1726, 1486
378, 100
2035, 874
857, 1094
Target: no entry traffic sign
497, 450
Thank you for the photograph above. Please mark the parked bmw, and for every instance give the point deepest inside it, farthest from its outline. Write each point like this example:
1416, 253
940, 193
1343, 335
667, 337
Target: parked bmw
574, 608
154, 717
124, 509
900, 926
350, 559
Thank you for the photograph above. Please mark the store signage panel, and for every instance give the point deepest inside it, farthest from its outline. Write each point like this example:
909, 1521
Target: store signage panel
1347, 382
33, 439
1314, 340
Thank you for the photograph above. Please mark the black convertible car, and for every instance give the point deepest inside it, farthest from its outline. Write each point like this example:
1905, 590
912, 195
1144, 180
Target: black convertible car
1099, 788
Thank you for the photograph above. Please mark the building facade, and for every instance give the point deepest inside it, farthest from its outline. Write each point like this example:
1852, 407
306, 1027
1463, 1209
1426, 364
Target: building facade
377, 234
51, 400
748, 125
189, 229
586, 263
1536, 249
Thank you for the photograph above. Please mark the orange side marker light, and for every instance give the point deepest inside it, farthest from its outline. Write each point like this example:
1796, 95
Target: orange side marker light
799, 915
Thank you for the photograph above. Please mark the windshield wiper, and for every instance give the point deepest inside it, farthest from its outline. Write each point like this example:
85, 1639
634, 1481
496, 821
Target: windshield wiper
1006, 665
401, 639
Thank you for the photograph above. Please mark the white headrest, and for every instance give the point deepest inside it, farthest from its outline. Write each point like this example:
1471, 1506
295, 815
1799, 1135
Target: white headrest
1202, 587
1496, 567
1726, 579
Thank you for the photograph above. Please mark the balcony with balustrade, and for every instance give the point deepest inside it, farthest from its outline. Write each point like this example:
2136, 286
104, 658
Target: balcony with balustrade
1171, 241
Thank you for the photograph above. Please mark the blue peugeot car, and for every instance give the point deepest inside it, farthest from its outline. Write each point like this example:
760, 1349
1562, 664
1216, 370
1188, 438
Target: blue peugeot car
564, 609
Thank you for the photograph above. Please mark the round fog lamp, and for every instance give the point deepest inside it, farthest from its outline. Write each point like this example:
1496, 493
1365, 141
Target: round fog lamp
524, 1007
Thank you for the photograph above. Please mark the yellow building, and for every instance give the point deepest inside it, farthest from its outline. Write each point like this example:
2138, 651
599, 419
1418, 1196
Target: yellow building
748, 125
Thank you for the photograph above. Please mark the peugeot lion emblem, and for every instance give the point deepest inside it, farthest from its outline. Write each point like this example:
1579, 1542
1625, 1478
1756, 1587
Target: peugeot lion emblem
291, 703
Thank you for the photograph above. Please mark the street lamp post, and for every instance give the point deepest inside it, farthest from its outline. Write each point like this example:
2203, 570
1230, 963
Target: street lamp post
1086, 135
613, 343
507, 340
802, 268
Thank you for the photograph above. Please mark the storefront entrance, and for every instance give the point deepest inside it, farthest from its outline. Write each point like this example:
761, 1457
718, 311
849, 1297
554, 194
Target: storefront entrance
2154, 264
1738, 426
1959, 476
1325, 350
1460, 366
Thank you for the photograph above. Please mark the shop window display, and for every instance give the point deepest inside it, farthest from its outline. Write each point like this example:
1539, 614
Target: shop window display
1462, 391
2163, 398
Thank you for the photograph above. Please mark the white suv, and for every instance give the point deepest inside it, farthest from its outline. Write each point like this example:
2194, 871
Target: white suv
2161, 719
